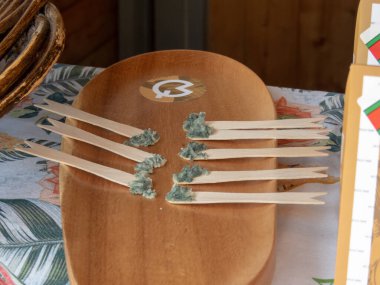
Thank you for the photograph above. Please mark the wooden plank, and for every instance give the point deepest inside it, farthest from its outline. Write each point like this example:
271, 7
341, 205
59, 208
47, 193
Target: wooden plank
256, 35
226, 21
313, 47
186, 26
340, 35
297, 43
102, 55
88, 25
63, 4
135, 27
84, 12
281, 67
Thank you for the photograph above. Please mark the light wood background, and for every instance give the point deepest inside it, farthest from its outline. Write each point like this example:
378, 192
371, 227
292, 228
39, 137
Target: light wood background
294, 43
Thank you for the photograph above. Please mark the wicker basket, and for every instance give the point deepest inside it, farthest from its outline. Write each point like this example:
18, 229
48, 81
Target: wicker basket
31, 40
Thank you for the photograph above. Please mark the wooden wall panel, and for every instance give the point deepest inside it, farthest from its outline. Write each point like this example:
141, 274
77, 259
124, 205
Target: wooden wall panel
226, 23
91, 30
103, 56
64, 4
294, 43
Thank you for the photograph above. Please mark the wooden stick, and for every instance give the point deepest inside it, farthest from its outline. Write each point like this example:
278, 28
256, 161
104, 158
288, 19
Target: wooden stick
299, 198
213, 154
272, 174
270, 124
266, 134
68, 111
108, 173
129, 152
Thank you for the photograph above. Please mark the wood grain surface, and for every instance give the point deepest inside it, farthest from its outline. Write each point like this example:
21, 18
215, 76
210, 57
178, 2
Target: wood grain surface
304, 44
97, 39
112, 237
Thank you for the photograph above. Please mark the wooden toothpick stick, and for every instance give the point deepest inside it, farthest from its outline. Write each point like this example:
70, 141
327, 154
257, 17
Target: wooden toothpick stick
297, 134
272, 174
114, 175
228, 153
197, 128
138, 185
307, 123
129, 152
137, 136
71, 112
298, 198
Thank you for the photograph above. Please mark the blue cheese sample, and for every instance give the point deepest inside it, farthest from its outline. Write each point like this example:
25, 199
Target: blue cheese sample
147, 138
179, 193
188, 173
196, 127
142, 186
146, 167
193, 150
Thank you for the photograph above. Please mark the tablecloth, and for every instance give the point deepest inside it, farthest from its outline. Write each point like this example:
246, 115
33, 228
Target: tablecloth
31, 244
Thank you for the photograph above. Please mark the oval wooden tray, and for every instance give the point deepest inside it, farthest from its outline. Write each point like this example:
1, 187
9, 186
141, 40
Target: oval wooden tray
112, 237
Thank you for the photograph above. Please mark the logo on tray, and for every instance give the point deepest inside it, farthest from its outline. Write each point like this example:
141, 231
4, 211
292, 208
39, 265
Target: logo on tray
172, 89
168, 92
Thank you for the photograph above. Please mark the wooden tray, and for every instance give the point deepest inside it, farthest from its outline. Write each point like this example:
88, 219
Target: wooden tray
112, 237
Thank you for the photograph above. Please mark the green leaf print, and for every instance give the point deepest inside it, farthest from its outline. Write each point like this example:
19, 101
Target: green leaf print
59, 98
25, 113
13, 155
66, 79
332, 107
335, 142
31, 244
32, 111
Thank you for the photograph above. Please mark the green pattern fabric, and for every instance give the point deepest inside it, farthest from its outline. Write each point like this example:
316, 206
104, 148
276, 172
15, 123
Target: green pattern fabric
31, 244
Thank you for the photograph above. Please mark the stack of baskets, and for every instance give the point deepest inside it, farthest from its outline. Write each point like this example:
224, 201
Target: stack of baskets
31, 39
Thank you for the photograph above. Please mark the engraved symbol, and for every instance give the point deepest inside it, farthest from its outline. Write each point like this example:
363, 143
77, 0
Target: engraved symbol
167, 93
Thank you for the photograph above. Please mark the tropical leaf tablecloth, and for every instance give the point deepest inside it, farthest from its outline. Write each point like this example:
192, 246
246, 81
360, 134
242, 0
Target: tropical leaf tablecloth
31, 245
